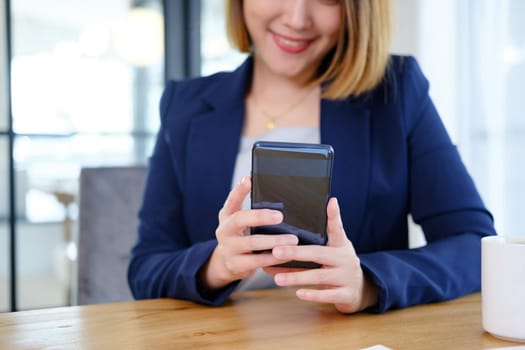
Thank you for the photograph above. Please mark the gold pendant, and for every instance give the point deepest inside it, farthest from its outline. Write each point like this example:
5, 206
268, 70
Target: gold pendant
270, 125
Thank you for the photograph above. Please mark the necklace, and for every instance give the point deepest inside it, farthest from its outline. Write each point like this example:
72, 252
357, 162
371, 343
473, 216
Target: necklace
271, 119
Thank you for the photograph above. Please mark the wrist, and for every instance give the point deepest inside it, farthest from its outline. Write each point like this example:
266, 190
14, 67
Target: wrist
211, 276
370, 294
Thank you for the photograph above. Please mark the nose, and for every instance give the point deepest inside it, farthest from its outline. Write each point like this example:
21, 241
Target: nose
296, 14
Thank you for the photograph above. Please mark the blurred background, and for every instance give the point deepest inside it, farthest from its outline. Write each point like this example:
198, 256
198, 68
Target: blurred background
86, 78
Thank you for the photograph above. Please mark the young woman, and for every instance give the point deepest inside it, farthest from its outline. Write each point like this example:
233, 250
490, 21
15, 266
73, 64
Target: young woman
318, 71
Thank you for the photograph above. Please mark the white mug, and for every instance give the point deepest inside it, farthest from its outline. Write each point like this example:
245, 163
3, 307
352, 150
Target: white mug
503, 286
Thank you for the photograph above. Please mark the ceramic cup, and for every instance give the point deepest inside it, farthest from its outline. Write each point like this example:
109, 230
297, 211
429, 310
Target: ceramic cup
503, 286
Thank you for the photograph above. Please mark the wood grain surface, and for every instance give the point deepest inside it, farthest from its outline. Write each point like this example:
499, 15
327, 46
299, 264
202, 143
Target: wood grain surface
266, 319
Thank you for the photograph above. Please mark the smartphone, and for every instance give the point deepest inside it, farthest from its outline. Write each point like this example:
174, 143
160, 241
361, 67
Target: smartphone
294, 178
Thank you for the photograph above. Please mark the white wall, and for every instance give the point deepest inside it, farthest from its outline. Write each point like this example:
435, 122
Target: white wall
405, 27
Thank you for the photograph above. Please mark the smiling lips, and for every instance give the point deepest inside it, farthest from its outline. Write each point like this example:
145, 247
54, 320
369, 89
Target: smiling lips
290, 45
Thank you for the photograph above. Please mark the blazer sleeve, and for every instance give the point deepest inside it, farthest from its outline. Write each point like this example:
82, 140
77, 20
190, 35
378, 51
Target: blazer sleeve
165, 261
443, 200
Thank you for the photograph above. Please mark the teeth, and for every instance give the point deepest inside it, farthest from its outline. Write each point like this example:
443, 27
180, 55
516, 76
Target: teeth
293, 43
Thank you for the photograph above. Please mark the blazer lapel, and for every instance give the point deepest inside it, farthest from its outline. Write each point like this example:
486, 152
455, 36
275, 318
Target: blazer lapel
213, 144
345, 124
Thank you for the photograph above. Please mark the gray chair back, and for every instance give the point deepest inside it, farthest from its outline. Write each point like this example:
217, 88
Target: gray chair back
108, 206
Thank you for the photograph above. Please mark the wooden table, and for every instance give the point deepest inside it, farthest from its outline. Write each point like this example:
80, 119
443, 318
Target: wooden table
267, 319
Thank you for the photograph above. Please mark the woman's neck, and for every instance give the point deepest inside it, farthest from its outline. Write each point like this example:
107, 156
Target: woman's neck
280, 90
278, 101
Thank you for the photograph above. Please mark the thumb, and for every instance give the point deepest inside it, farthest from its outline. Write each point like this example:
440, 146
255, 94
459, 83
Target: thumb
334, 226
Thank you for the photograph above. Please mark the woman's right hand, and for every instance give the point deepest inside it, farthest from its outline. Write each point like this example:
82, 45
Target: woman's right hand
233, 258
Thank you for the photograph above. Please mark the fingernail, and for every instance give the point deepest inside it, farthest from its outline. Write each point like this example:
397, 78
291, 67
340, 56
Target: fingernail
301, 293
291, 240
276, 216
279, 279
278, 252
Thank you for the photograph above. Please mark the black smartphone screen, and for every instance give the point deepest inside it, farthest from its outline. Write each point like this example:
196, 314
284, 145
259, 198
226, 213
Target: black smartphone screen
295, 179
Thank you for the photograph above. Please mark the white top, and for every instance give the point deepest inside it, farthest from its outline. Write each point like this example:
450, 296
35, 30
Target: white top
261, 280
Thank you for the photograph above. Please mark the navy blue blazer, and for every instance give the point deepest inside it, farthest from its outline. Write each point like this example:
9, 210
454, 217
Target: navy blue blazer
393, 157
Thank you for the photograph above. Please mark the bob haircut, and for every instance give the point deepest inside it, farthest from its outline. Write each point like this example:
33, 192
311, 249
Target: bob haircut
359, 60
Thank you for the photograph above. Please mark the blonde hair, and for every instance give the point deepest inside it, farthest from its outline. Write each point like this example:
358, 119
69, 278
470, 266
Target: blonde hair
358, 62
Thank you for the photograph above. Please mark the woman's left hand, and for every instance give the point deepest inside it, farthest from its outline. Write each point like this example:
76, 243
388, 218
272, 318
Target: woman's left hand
341, 277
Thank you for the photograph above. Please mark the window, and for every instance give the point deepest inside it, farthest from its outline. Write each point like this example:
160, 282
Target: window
86, 81
4, 229
4, 166
496, 63
475, 63
217, 53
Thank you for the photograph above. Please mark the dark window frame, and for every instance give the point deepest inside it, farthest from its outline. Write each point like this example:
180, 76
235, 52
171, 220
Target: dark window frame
182, 60
11, 162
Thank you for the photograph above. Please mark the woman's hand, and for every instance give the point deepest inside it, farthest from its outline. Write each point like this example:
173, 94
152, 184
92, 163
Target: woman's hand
341, 279
233, 258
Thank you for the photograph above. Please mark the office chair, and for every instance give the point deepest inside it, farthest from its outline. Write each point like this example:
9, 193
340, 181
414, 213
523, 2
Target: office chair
108, 206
